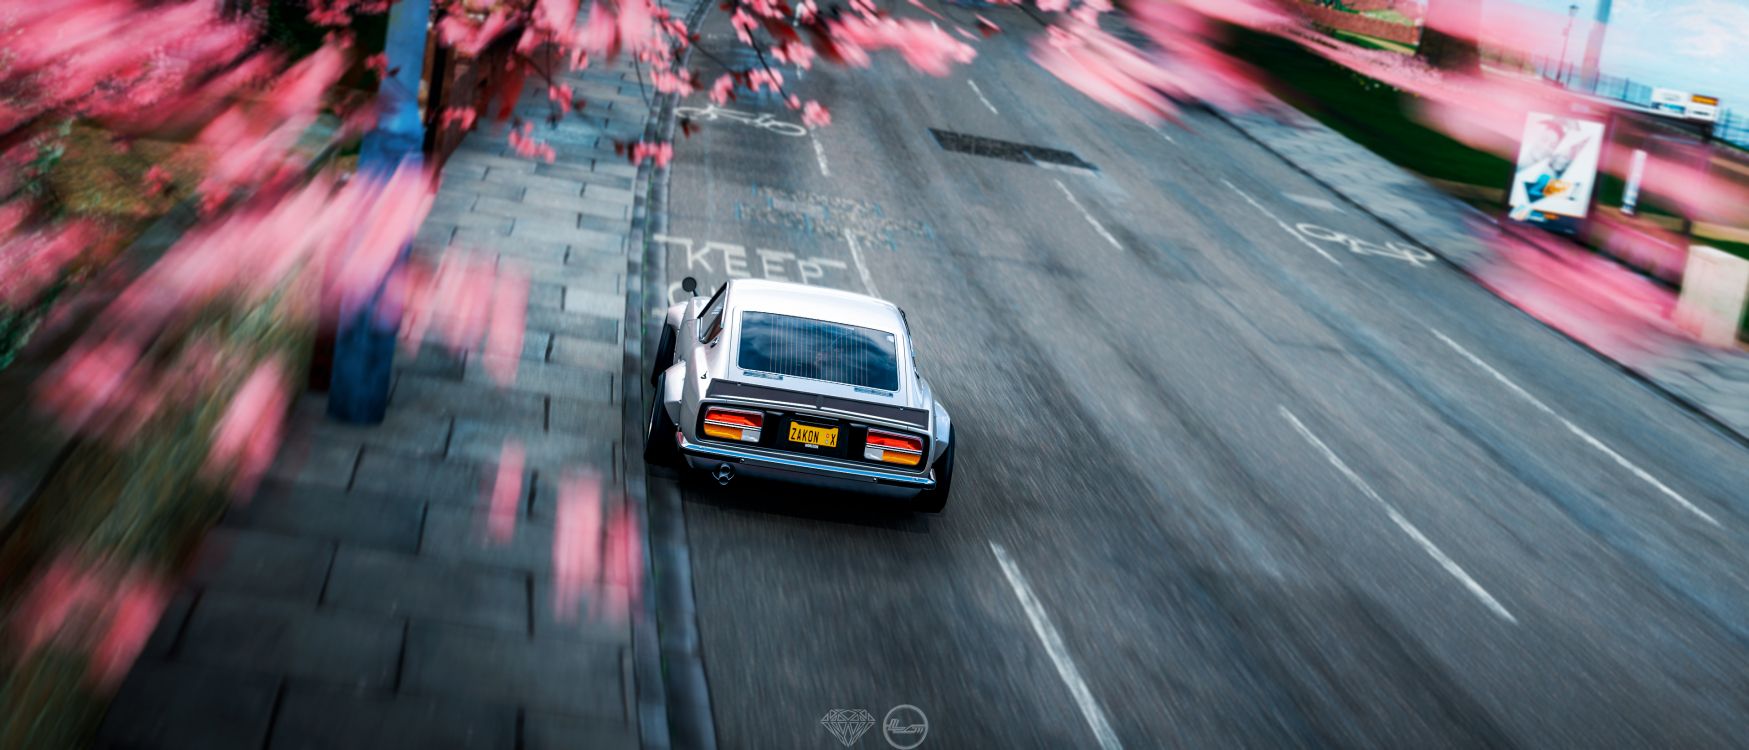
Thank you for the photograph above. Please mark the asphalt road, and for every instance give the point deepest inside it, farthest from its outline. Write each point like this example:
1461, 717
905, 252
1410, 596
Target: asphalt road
1225, 478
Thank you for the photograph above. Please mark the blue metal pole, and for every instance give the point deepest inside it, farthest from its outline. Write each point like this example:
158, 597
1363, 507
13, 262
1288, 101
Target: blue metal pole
364, 345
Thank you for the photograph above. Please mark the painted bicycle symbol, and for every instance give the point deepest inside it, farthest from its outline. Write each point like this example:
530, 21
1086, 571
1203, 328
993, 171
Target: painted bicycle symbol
1396, 250
765, 121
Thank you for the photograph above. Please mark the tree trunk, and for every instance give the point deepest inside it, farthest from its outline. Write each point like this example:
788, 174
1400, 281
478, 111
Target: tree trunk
1448, 41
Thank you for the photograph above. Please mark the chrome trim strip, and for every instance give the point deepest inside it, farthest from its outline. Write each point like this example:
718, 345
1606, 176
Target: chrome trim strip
712, 451
891, 448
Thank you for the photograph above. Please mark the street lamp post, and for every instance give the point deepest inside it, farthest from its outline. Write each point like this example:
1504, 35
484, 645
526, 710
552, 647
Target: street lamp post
1572, 13
1594, 46
364, 344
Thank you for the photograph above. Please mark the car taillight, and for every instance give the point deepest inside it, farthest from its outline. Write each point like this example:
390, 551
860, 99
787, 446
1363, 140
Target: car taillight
893, 448
733, 424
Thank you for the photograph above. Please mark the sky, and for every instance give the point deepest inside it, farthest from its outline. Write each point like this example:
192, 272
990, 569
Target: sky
1700, 46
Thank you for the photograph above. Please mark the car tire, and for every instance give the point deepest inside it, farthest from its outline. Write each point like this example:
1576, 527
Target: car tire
659, 447
664, 353
934, 499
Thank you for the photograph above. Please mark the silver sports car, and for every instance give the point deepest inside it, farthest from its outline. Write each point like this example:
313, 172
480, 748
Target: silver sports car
802, 384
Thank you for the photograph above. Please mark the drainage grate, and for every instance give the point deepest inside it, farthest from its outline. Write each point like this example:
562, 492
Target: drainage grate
1006, 150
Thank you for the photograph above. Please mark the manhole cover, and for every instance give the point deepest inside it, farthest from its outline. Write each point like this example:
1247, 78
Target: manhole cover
993, 148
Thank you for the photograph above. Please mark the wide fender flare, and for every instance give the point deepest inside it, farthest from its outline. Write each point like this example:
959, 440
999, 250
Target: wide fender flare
942, 435
675, 314
673, 393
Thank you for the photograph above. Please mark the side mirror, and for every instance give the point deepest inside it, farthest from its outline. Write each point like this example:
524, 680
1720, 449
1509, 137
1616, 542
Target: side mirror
689, 285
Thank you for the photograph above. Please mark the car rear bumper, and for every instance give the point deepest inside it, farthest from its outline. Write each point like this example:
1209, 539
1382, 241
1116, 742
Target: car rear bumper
763, 464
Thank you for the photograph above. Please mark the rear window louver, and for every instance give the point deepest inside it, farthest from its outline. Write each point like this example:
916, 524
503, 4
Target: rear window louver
819, 350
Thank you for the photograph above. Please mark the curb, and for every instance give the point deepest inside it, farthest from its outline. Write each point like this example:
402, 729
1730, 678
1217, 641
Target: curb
1683, 402
673, 700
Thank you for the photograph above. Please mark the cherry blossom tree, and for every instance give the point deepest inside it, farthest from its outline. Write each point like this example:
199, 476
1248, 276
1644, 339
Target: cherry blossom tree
210, 340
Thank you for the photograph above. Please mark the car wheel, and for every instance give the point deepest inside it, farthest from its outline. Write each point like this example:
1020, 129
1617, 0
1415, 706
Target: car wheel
659, 447
664, 353
934, 499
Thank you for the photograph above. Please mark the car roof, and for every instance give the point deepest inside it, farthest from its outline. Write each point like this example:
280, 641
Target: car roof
818, 303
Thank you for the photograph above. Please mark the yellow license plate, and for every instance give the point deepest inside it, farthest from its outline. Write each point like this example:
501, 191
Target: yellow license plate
822, 436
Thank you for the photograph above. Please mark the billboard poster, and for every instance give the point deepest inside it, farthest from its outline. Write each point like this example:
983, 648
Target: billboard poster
1557, 171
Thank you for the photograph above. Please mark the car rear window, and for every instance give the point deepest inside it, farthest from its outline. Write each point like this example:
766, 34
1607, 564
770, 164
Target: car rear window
816, 349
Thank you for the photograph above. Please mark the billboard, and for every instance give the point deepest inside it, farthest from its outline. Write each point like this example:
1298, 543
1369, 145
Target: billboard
1557, 170
1685, 104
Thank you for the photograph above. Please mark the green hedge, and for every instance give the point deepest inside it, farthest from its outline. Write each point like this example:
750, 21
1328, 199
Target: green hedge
1368, 112
141, 505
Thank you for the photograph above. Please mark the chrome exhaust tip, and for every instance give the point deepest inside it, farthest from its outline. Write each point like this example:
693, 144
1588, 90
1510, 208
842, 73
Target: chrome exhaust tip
724, 473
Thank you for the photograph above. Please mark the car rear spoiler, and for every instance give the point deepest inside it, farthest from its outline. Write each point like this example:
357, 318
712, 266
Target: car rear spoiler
731, 389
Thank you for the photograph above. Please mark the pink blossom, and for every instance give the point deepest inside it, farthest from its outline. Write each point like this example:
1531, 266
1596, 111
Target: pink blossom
410, 290
637, 25
623, 564
133, 615
668, 82
924, 46
764, 78
89, 381
600, 34
301, 89
459, 116
661, 153
504, 337
561, 95
1661, 252
157, 178
248, 434
744, 25
556, 16
506, 499
1255, 14
29, 263
1106, 70
378, 64
576, 543
523, 142
396, 208
815, 116
58, 593
1583, 295
724, 89
463, 294
795, 52
470, 37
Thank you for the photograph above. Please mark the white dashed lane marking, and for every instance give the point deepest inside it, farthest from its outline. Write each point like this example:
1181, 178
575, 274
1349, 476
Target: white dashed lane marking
1414, 533
861, 268
1581, 433
980, 93
820, 155
1280, 223
1053, 643
1097, 227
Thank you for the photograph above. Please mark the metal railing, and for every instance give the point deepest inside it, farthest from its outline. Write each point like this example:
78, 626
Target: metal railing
1732, 126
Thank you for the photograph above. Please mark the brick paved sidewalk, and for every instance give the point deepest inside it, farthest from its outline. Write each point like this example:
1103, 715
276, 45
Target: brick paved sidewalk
1714, 382
354, 602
